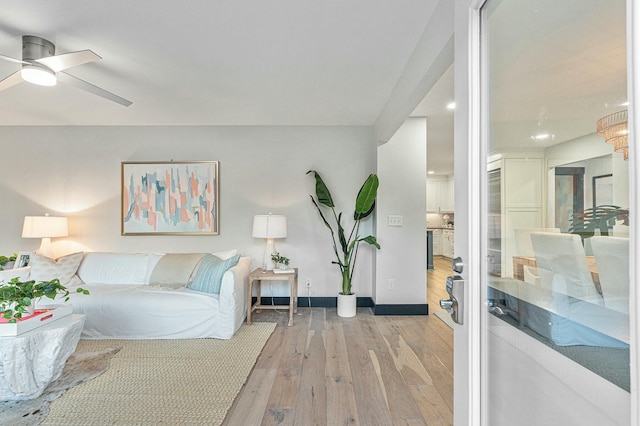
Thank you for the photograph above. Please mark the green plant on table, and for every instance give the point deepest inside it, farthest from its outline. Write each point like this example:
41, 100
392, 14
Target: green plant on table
365, 204
17, 296
277, 259
5, 259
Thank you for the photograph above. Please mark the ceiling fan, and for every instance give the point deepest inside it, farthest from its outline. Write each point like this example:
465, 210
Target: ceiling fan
41, 66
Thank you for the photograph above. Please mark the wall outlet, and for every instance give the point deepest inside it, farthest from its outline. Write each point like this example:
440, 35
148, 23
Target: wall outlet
308, 282
391, 284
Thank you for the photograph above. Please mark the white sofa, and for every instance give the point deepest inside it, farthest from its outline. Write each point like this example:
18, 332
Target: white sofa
148, 295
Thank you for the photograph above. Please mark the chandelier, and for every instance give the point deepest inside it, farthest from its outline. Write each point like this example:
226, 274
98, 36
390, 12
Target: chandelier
613, 128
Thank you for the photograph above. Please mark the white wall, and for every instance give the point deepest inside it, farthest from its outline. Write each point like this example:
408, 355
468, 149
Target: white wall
402, 167
75, 171
592, 152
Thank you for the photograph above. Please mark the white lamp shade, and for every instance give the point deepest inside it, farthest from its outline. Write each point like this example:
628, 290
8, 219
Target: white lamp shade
45, 227
269, 226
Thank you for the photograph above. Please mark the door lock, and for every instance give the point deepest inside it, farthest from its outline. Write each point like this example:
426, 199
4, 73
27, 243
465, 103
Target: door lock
457, 265
453, 305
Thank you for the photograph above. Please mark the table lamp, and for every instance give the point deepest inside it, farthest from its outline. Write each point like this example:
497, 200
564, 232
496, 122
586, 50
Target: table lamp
45, 227
269, 227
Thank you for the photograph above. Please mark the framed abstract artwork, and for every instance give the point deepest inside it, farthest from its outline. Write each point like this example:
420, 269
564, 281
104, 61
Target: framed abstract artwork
170, 198
602, 187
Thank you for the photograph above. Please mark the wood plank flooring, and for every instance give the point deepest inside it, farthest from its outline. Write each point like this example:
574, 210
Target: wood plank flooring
366, 370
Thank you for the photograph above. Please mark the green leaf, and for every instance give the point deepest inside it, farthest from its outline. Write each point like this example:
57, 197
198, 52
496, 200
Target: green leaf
321, 215
371, 240
341, 237
365, 202
322, 192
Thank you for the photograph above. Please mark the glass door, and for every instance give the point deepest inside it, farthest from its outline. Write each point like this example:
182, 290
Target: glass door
555, 215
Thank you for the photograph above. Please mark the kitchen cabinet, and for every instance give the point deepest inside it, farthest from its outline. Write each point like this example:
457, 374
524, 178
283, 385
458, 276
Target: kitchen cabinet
447, 243
433, 200
516, 201
430, 250
446, 197
437, 242
440, 195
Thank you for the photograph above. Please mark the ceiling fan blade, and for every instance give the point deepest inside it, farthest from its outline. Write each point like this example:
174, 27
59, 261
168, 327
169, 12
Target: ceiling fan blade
65, 78
67, 60
12, 80
10, 59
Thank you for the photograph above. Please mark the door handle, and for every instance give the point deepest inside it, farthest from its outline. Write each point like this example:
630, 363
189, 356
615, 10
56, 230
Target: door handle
453, 305
447, 305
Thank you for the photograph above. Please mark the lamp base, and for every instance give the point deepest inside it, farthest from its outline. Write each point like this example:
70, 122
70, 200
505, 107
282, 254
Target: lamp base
46, 249
269, 248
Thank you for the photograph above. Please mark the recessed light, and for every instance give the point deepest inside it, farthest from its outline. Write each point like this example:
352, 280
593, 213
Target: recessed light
542, 137
624, 103
430, 172
451, 106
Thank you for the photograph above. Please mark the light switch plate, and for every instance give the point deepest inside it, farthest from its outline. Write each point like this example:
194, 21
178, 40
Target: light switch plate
394, 220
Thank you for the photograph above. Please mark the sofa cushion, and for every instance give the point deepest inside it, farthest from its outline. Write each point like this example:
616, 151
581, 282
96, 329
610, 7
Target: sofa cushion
64, 268
116, 268
20, 273
210, 271
226, 254
175, 269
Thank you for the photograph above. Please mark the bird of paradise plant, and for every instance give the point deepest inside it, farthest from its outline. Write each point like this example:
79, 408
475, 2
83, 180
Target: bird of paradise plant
365, 204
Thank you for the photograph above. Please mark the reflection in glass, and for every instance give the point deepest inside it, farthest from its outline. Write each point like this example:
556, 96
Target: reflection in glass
557, 194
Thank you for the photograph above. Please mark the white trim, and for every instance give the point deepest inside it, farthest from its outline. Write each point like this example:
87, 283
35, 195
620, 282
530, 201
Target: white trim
477, 167
633, 90
467, 338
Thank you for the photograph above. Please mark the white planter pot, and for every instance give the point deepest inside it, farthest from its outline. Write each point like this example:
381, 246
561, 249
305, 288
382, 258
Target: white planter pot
347, 305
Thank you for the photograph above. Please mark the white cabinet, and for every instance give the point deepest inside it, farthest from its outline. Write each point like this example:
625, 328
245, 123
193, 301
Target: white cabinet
447, 243
518, 203
440, 195
446, 196
437, 242
433, 199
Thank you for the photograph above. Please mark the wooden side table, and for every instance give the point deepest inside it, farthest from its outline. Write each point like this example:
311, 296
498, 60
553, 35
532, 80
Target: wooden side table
259, 276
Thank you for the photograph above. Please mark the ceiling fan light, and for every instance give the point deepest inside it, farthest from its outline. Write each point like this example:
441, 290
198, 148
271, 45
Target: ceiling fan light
38, 75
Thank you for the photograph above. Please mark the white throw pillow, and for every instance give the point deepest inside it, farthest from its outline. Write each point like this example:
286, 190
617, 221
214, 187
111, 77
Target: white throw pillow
115, 268
64, 268
227, 254
20, 273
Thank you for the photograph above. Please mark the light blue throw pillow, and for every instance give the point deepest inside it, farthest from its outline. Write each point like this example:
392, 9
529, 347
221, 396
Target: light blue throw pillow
209, 276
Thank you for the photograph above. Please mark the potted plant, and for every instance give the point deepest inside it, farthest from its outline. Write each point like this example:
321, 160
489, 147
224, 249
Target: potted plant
18, 297
7, 262
347, 255
280, 262
601, 218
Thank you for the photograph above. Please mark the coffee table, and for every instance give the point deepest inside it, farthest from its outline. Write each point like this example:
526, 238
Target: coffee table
32, 360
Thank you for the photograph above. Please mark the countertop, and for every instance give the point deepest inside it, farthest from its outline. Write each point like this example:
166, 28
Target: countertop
431, 228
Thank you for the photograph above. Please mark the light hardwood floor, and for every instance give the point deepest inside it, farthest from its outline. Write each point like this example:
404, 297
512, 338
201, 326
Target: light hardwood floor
366, 370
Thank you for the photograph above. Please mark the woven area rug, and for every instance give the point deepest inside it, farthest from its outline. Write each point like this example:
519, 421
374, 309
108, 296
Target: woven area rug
79, 368
151, 382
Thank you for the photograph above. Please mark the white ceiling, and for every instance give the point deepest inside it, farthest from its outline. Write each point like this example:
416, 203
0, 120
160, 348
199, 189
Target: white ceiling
242, 62
300, 62
555, 67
